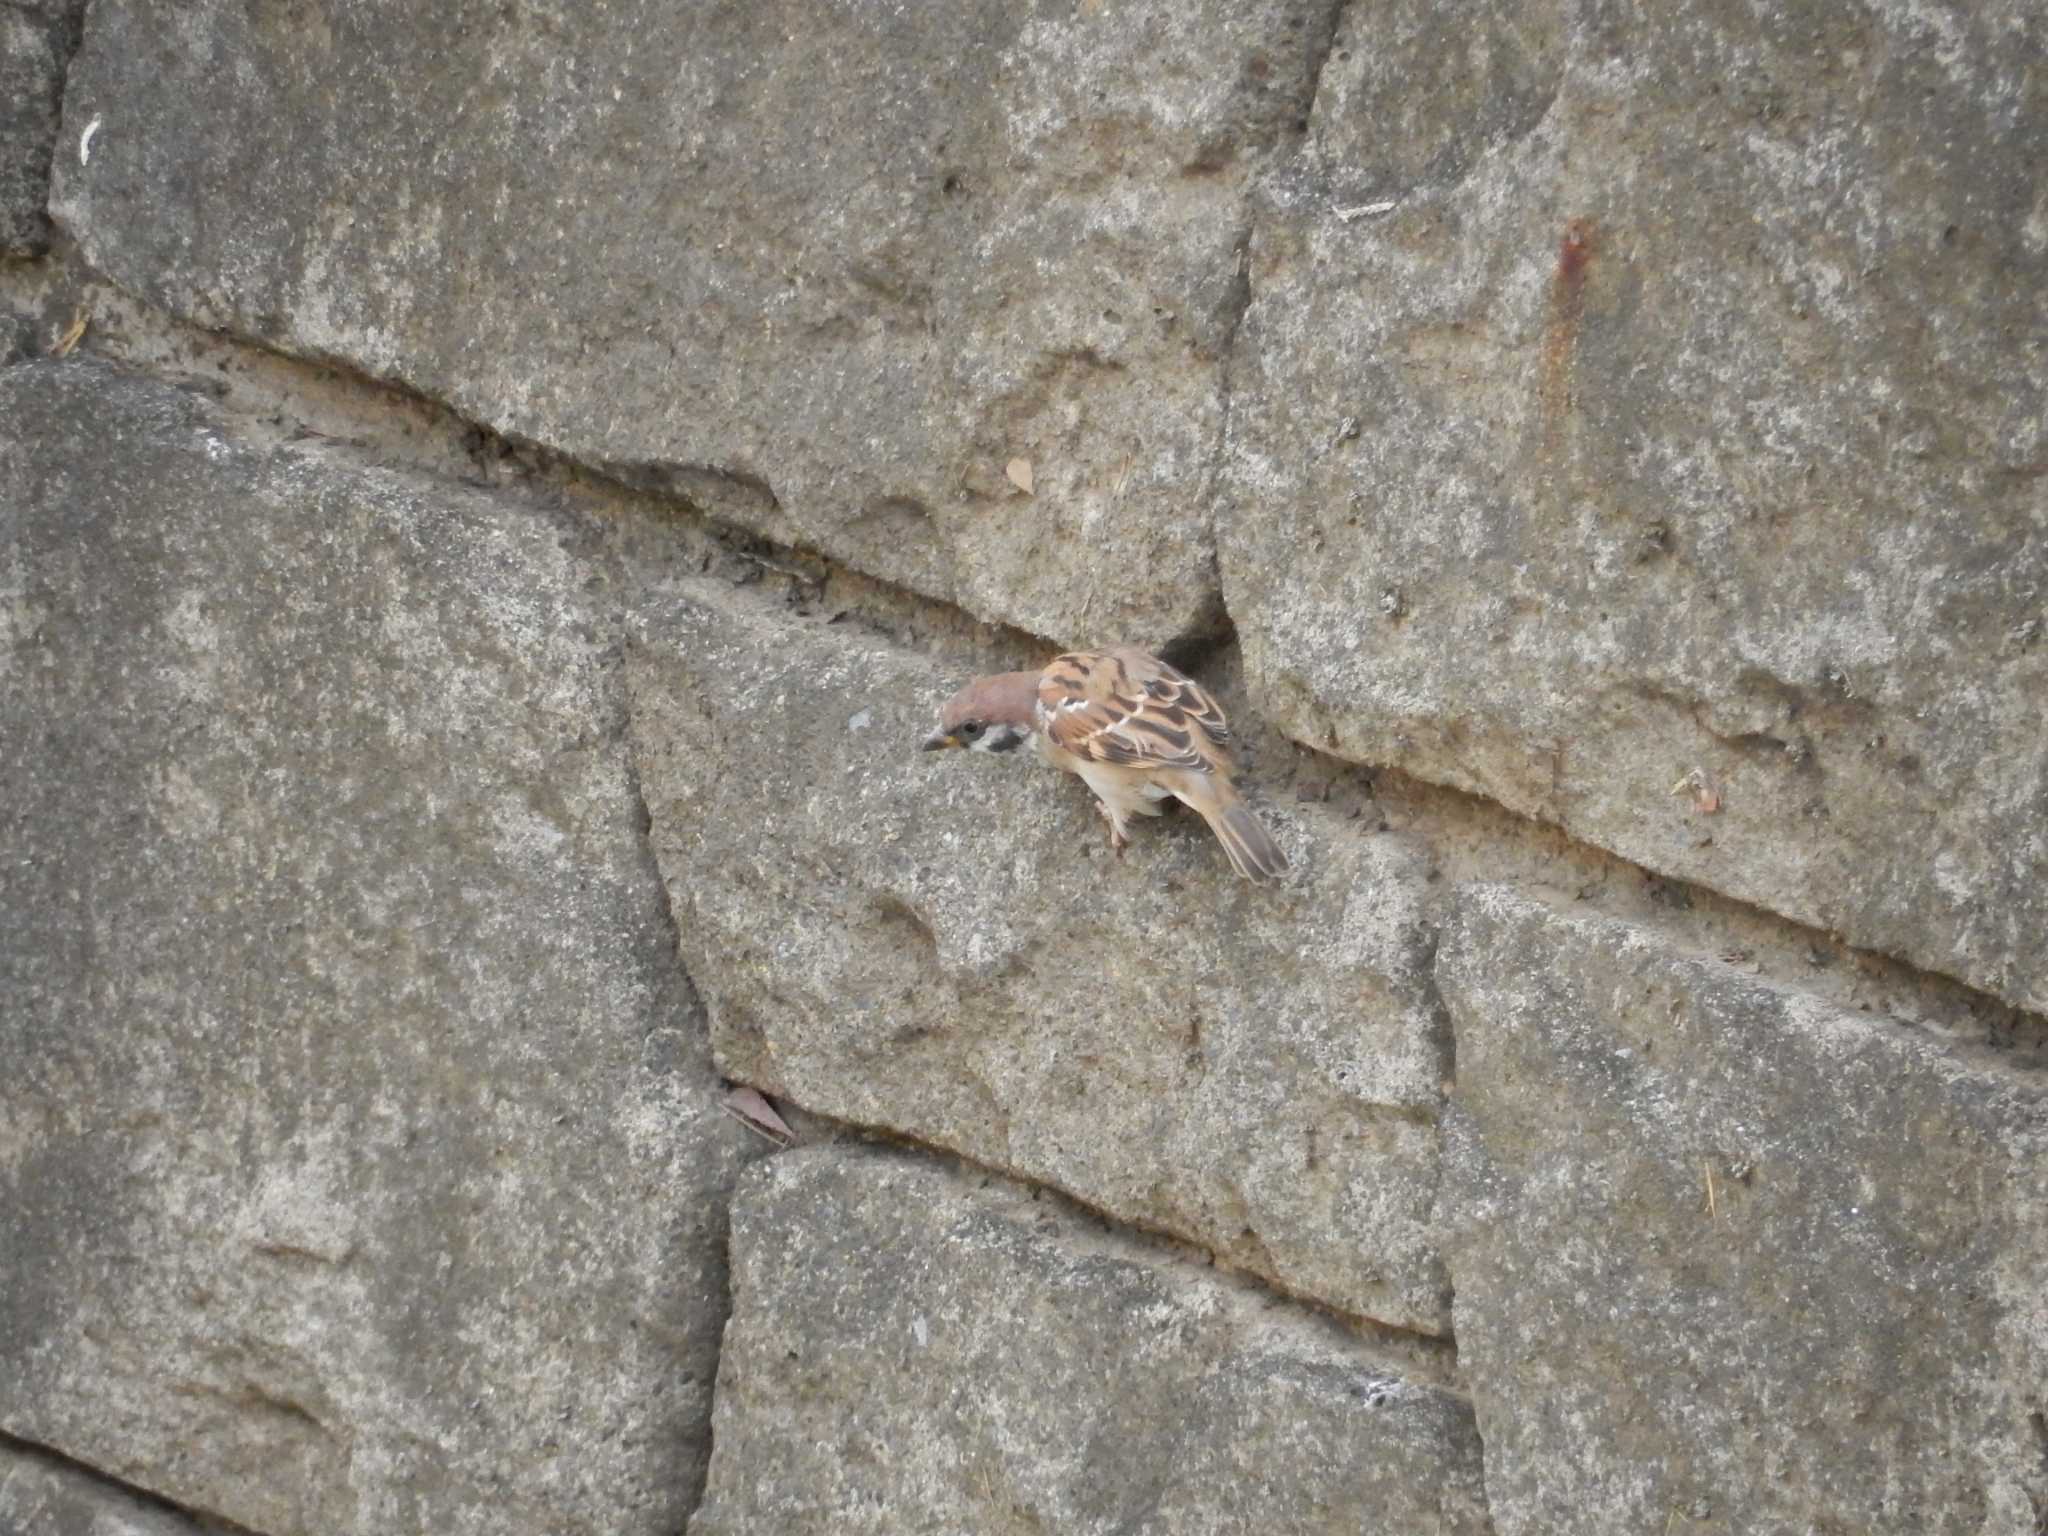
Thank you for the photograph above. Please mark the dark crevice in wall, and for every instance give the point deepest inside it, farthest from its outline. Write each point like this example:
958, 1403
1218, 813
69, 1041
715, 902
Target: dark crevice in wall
70, 23
1203, 654
1319, 39
1240, 302
1475, 840
693, 1495
684, 998
1323, 43
697, 484
57, 1461
1443, 1030
1479, 1434
643, 834
63, 28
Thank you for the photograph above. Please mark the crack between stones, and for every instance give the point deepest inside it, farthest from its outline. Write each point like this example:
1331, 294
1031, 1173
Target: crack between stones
693, 1498
1240, 303
1429, 1357
49, 1457
1325, 45
1222, 630
643, 835
671, 930
1770, 948
67, 34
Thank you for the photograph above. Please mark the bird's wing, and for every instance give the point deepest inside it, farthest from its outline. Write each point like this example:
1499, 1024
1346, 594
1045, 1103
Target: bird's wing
1175, 694
1132, 710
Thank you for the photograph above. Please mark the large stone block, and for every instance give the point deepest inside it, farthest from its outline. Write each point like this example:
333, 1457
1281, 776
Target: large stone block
1728, 1259
941, 946
35, 42
828, 269
1630, 390
357, 1141
913, 1350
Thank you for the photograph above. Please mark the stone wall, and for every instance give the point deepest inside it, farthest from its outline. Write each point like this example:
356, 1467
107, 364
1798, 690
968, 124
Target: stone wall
491, 496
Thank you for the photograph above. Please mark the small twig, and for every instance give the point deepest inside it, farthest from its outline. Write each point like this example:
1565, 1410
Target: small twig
1713, 1208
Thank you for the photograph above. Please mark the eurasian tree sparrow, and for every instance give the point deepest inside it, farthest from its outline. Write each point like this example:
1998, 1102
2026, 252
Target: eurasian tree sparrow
1135, 730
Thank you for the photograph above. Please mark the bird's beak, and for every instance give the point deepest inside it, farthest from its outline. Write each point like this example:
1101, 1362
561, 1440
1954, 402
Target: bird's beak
939, 741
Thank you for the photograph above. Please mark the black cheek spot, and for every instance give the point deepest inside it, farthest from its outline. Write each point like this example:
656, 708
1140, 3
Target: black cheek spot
1008, 741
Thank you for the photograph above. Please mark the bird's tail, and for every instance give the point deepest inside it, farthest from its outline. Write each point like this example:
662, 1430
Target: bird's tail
1253, 853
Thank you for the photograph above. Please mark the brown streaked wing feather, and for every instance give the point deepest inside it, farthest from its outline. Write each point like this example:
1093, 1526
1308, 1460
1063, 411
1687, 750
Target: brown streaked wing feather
1179, 696
1101, 706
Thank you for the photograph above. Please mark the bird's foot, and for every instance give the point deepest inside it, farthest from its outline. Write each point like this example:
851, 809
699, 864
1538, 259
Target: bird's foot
1119, 840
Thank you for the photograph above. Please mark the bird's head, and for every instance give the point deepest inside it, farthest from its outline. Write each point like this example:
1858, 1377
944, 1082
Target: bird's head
991, 714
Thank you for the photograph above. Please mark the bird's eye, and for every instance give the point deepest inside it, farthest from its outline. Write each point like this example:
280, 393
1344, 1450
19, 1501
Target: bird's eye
972, 729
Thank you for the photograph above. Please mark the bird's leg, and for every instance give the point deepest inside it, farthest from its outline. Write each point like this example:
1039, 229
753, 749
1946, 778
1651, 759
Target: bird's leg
1118, 841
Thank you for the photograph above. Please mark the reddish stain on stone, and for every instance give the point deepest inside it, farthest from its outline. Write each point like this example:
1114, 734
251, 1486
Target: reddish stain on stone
1574, 251
1567, 300
1573, 254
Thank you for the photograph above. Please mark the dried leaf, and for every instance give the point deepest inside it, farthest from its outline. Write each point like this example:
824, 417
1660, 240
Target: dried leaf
71, 336
752, 1109
1019, 471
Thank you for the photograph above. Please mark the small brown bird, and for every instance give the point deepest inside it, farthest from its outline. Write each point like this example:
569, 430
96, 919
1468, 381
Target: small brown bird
1136, 731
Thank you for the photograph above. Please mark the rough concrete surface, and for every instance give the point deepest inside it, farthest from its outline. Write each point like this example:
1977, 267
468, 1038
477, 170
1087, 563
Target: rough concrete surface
833, 271
1728, 1260
940, 944
1643, 390
357, 1136
36, 37
913, 1350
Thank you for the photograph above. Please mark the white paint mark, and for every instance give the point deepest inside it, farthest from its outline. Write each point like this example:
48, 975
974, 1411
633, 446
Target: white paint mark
920, 1332
1362, 210
861, 721
85, 140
